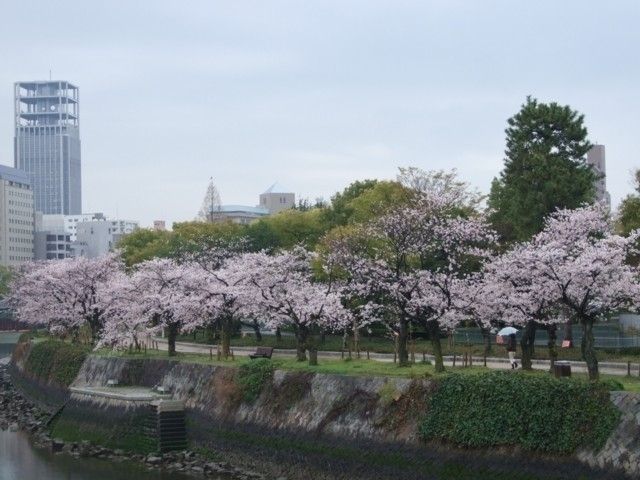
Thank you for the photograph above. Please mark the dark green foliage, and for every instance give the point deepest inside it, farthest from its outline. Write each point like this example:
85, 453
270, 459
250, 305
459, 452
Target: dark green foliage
612, 385
534, 412
544, 169
56, 361
252, 377
629, 210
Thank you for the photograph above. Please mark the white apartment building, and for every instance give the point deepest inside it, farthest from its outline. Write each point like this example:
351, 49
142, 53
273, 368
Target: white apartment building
16, 217
67, 223
97, 237
277, 198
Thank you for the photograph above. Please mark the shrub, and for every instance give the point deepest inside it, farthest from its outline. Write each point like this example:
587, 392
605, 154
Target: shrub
57, 361
535, 412
612, 385
252, 377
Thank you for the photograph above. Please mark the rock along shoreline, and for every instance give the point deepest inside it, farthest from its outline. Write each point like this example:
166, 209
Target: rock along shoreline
18, 413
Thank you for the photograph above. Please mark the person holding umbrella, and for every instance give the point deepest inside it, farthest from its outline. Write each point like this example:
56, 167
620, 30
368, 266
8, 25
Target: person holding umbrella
511, 344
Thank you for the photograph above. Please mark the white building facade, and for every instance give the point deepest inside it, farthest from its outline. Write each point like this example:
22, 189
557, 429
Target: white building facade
98, 237
67, 223
17, 217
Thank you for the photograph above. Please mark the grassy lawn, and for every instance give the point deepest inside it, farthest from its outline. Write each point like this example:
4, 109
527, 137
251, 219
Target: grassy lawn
351, 367
384, 345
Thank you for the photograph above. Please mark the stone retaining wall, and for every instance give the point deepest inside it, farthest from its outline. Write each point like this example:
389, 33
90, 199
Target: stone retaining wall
622, 450
362, 412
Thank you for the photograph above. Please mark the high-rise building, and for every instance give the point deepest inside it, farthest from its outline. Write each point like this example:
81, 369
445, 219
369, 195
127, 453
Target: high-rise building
596, 159
16, 217
47, 144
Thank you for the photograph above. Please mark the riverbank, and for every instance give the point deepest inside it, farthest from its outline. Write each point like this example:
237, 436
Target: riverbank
17, 413
299, 425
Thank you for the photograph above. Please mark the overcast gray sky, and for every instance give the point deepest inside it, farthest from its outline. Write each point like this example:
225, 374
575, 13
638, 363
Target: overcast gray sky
314, 94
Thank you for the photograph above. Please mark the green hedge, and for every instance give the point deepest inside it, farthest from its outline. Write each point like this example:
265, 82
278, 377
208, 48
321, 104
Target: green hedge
57, 361
534, 412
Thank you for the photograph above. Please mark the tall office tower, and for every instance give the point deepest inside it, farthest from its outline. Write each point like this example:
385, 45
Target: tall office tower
596, 158
47, 144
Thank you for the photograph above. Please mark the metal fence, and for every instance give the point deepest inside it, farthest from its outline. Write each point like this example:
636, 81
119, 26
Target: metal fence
609, 336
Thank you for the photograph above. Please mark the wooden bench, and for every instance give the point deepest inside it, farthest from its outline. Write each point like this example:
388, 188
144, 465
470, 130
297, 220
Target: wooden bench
262, 352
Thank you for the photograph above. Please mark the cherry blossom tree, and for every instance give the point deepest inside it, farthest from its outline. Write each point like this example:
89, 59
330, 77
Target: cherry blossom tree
65, 294
164, 297
579, 256
287, 295
508, 293
126, 319
417, 266
223, 294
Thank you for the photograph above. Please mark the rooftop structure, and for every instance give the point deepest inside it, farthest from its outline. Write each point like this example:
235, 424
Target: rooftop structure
47, 143
238, 213
276, 198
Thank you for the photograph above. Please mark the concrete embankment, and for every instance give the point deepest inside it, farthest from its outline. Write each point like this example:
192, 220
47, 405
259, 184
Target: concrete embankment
306, 425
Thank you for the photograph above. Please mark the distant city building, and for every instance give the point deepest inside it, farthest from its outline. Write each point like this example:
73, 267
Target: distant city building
159, 225
98, 237
47, 144
67, 223
53, 245
241, 214
596, 158
277, 198
17, 217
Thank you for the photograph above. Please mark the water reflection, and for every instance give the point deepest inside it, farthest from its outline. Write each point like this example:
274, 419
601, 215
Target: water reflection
19, 460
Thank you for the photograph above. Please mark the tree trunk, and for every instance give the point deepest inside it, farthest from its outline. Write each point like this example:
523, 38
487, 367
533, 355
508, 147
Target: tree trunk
588, 348
96, 329
313, 356
356, 339
403, 336
210, 333
312, 345
552, 331
302, 332
172, 334
278, 335
434, 336
225, 336
486, 338
527, 343
568, 332
256, 331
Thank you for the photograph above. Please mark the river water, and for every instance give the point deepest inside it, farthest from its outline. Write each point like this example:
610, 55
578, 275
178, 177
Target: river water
19, 460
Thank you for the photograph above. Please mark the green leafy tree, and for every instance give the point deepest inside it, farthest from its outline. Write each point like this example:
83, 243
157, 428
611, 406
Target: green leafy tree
544, 169
5, 278
340, 211
378, 200
145, 244
629, 210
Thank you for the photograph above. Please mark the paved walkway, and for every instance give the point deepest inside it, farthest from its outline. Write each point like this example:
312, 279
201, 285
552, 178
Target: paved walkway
610, 368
